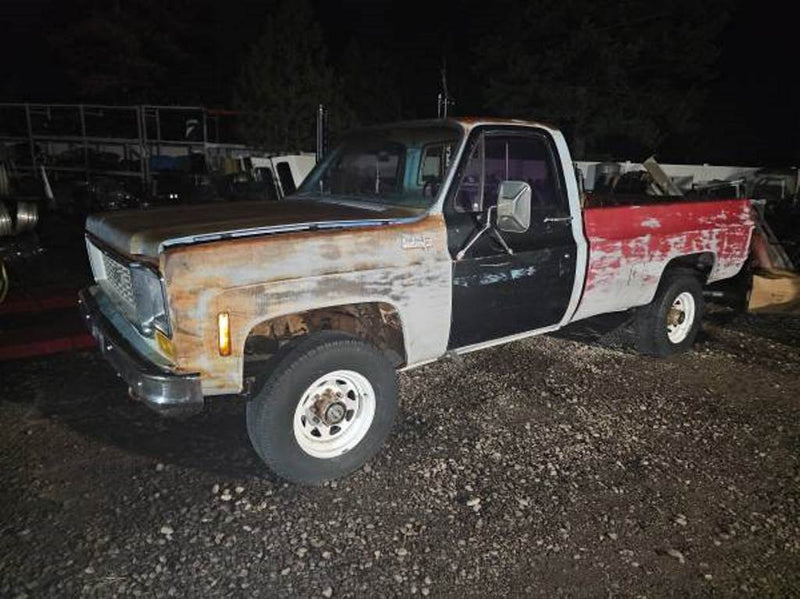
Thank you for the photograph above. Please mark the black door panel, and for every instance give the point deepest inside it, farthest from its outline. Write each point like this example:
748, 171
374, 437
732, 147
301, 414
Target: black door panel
497, 294
515, 294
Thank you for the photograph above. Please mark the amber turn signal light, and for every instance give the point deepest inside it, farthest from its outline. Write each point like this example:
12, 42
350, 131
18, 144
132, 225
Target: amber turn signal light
224, 330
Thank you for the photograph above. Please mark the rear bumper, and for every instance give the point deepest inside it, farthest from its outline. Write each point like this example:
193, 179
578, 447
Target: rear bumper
167, 393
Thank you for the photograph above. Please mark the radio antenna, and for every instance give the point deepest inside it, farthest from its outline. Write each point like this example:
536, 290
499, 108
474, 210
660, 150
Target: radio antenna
444, 101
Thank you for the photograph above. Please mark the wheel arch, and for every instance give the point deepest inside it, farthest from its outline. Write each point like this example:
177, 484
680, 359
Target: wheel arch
701, 264
377, 322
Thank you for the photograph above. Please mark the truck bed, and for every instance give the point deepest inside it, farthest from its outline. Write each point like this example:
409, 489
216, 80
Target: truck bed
630, 245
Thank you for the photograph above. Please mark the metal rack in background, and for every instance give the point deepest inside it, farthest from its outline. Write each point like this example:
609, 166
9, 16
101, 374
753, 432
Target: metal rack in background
42, 134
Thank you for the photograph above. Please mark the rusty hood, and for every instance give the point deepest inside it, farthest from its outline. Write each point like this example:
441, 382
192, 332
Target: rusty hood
146, 232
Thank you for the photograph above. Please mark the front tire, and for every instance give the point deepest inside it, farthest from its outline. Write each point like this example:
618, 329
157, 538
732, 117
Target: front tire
325, 410
670, 323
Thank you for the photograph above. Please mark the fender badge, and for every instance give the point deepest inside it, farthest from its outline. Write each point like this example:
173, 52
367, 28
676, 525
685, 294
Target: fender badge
415, 242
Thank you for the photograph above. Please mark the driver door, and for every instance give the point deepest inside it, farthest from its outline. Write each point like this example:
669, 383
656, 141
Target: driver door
497, 294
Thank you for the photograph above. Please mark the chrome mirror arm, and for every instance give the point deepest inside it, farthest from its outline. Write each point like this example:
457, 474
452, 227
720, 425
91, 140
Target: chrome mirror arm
477, 235
502, 241
486, 226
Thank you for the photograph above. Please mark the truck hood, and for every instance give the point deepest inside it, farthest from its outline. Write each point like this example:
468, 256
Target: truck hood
146, 232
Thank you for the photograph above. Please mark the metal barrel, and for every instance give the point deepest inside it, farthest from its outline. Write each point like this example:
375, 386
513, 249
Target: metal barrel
27, 216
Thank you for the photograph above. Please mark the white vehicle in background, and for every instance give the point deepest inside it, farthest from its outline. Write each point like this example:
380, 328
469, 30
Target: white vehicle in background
285, 172
268, 177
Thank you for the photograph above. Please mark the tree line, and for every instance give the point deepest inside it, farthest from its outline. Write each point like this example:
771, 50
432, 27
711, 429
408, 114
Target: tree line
623, 76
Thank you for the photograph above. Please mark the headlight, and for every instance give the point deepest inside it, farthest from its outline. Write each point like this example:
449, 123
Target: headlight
151, 300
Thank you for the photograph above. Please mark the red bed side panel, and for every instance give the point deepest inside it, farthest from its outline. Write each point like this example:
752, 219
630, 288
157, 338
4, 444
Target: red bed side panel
629, 247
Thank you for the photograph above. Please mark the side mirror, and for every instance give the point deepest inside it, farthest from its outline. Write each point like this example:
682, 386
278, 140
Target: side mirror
514, 207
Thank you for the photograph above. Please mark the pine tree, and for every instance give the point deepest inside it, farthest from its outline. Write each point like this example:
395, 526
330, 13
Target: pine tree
125, 52
284, 79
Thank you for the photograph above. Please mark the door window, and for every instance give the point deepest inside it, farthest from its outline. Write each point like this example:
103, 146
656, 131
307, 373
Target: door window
496, 168
497, 158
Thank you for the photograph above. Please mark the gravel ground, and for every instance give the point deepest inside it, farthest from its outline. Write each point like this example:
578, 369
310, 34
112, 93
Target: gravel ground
548, 467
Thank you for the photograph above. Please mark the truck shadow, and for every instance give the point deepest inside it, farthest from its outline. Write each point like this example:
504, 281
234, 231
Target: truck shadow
607, 330
616, 330
81, 391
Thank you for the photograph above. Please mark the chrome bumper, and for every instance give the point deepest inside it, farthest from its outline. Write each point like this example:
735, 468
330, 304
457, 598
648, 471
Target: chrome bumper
167, 393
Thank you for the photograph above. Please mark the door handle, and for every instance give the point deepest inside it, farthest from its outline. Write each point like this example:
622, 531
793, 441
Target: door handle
558, 219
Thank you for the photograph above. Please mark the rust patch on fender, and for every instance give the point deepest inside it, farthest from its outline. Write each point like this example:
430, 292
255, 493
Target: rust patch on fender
256, 279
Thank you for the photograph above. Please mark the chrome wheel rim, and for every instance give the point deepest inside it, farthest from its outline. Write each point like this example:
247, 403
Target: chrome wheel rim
680, 317
334, 414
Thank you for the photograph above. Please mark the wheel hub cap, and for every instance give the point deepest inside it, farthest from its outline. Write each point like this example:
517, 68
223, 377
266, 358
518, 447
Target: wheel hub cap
327, 407
334, 414
680, 317
676, 316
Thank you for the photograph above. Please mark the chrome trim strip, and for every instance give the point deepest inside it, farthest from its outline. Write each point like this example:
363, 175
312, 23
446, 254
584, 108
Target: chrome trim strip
295, 227
516, 337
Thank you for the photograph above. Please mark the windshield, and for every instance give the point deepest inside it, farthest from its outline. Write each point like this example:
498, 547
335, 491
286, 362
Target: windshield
394, 165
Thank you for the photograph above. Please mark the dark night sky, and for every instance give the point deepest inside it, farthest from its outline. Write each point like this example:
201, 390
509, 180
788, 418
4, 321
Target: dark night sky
753, 107
751, 115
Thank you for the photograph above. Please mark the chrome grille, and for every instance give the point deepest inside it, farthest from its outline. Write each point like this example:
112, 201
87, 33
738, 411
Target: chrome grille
114, 278
118, 278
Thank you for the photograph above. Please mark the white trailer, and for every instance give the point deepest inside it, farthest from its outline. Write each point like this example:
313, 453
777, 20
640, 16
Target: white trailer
285, 172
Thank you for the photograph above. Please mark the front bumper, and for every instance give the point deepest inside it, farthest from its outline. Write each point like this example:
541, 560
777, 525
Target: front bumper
167, 393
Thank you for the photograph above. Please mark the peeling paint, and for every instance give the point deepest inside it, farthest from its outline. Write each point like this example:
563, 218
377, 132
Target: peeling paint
626, 260
651, 223
260, 278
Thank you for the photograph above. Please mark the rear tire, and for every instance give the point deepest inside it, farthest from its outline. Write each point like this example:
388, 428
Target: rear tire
325, 410
669, 324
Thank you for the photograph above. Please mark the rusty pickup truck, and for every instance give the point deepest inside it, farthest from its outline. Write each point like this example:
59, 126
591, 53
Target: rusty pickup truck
409, 242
